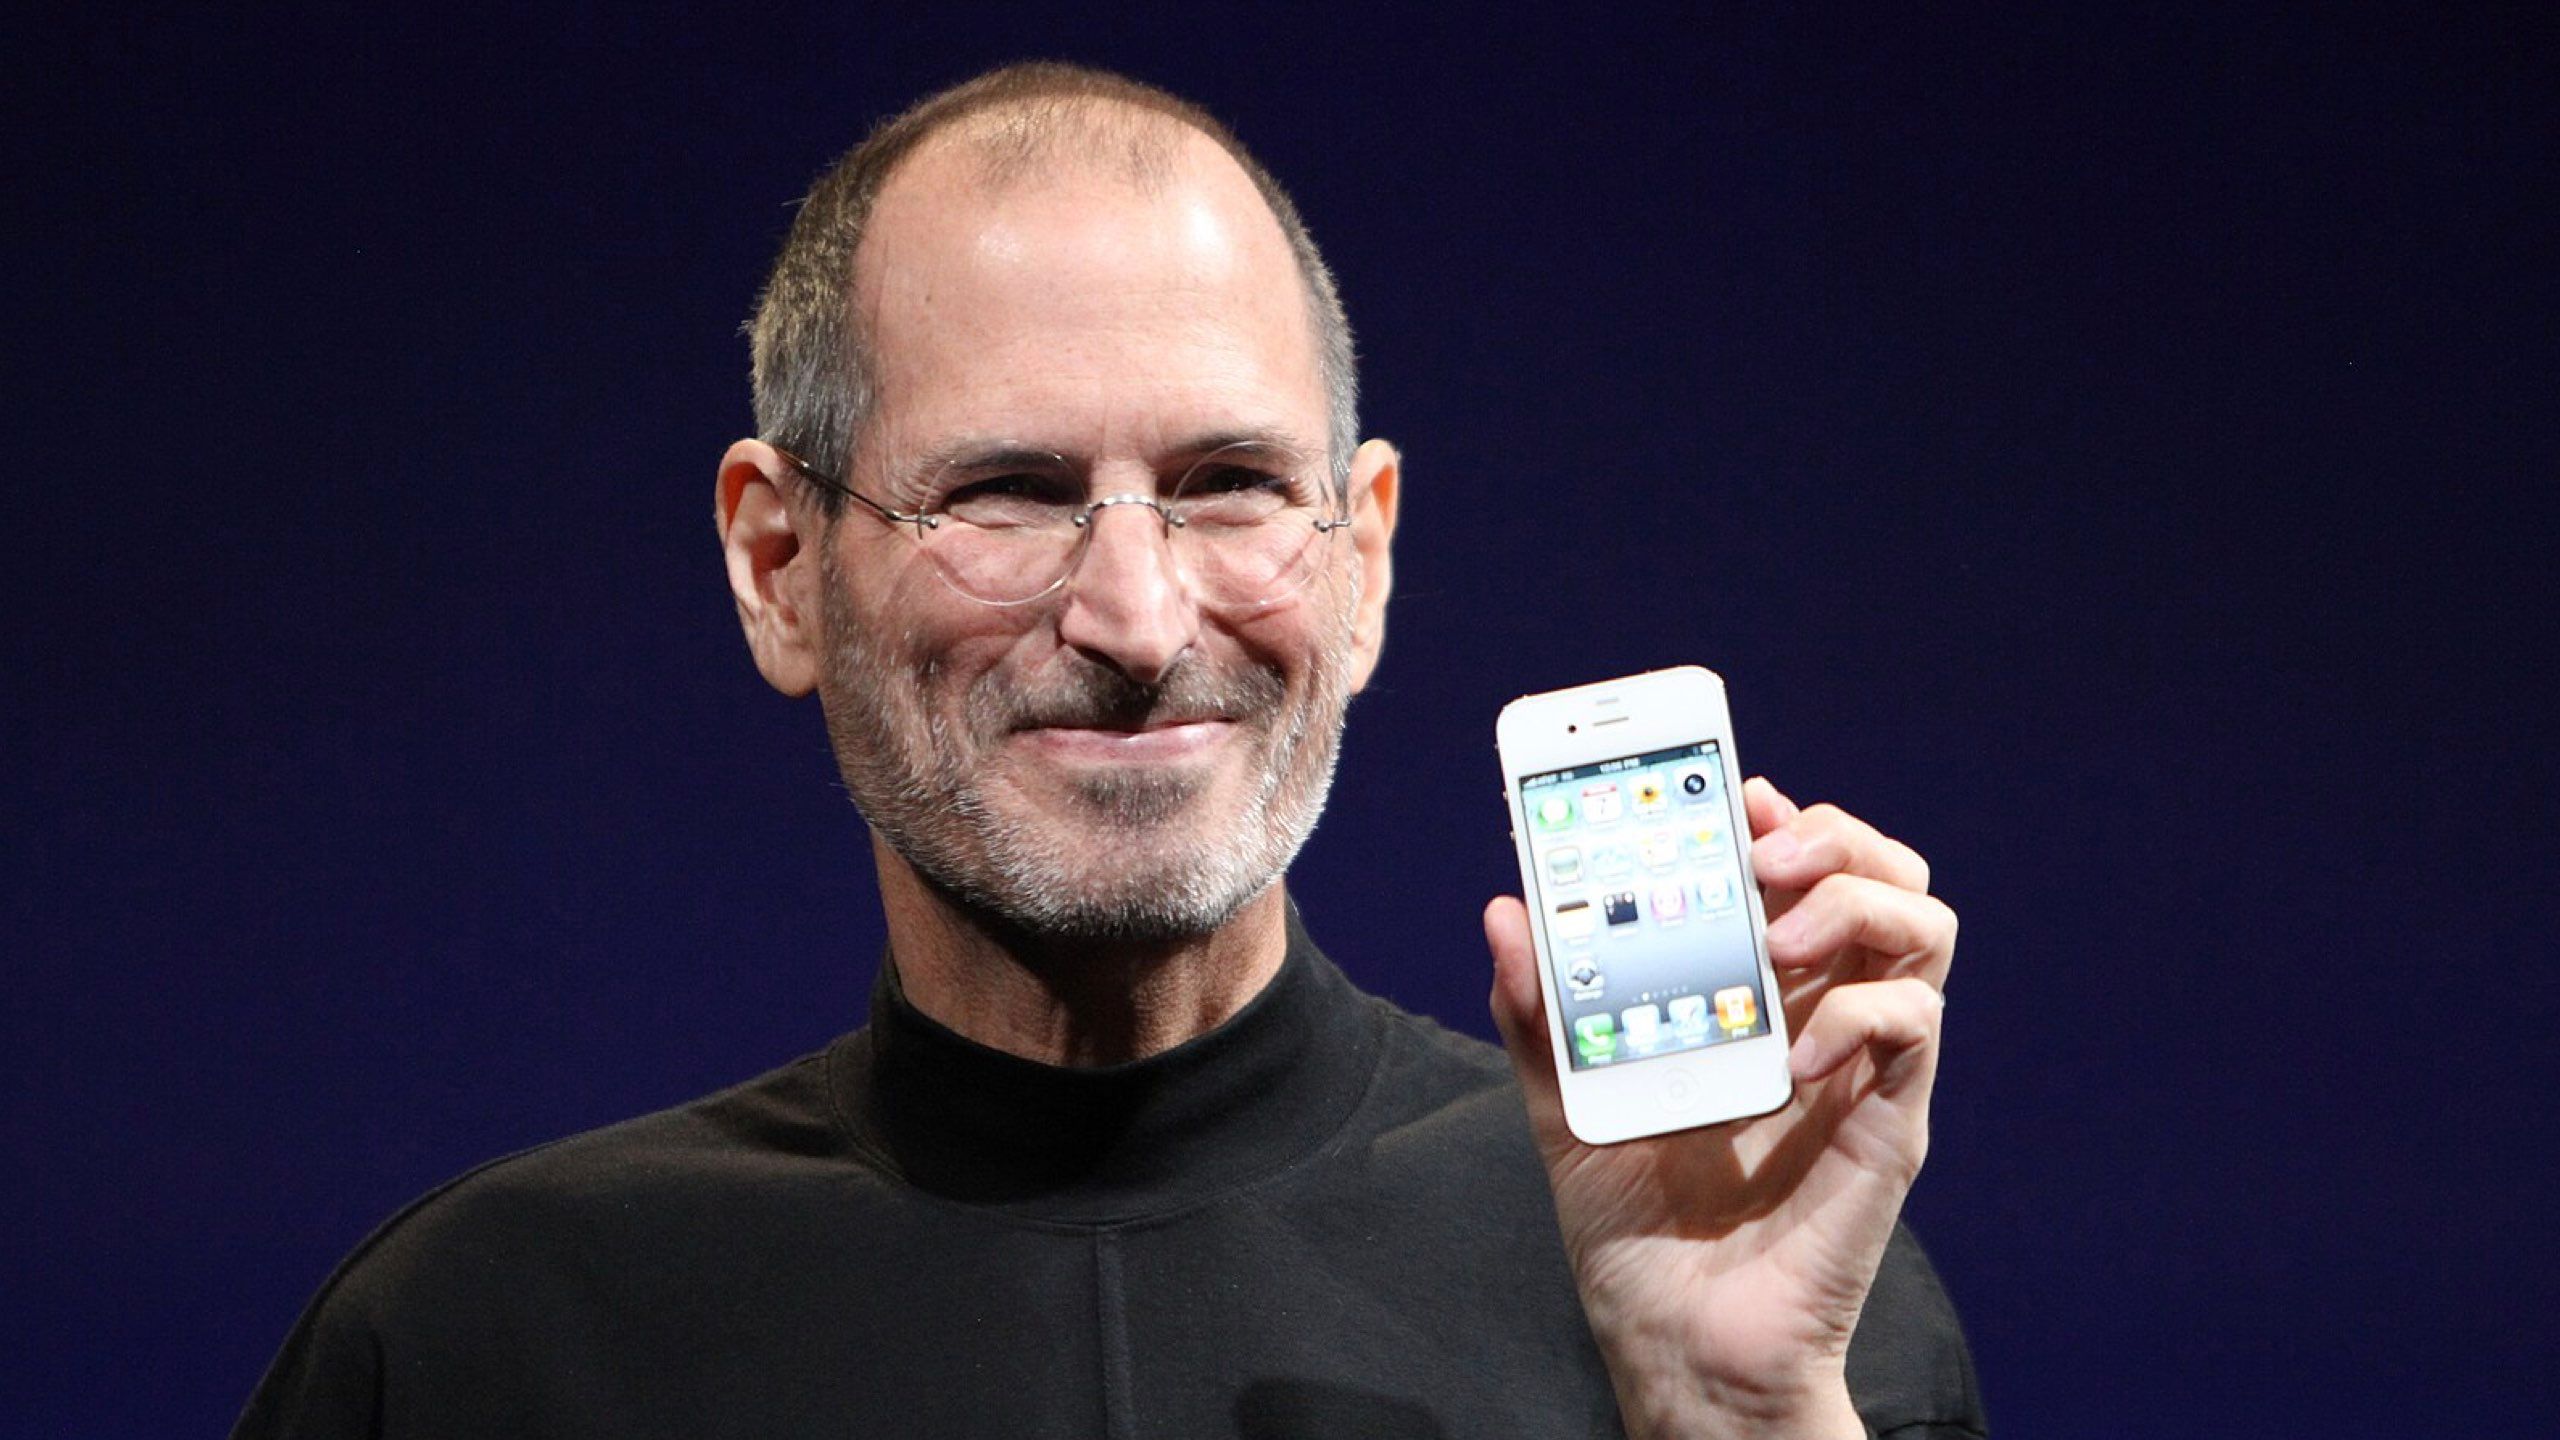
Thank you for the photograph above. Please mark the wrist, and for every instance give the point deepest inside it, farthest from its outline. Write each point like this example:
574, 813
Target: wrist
1666, 1391
1708, 1411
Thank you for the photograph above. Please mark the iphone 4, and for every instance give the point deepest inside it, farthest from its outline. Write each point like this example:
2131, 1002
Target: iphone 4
1635, 861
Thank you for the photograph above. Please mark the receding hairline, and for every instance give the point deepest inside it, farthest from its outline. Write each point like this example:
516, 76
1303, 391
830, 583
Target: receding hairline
1023, 139
1041, 141
996, 150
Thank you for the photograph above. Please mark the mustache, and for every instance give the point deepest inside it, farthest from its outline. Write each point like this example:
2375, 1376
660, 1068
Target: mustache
1095, 696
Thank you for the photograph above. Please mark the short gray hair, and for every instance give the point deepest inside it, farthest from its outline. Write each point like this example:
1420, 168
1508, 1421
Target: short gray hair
814, 370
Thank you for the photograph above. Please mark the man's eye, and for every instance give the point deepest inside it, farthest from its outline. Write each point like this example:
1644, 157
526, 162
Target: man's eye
1231, 479
1020, 484
1011, 498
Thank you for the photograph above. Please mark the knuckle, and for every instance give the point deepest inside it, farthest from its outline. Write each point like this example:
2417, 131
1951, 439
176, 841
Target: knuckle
1827, 841
1849, 840
1823, 818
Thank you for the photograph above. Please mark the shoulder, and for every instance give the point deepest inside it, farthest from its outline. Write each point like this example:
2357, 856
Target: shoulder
457, 1281
625, 1185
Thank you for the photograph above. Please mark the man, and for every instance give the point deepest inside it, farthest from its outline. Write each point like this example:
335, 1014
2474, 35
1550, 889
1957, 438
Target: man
1057, 509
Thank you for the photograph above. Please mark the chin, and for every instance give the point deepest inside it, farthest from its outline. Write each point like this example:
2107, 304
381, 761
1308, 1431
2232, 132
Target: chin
1142, 855
1109, 804
1145, 898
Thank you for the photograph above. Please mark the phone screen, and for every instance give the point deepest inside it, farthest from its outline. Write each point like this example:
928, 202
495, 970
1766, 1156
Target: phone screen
1640, 887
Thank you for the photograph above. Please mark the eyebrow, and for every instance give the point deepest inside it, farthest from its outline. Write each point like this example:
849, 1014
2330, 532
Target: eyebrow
989, 454
1206, 441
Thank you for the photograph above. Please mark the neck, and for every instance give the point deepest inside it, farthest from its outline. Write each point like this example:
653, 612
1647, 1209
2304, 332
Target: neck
1071, 1002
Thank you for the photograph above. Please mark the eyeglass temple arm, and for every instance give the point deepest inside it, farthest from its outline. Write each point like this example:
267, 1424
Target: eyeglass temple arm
839, 487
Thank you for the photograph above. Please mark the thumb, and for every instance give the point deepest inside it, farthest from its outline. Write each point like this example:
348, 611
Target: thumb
1520, 1013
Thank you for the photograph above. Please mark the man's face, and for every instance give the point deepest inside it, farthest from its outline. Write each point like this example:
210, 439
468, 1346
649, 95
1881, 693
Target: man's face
1115, 759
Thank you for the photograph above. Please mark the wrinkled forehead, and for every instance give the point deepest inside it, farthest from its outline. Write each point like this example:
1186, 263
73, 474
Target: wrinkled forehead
1135, 264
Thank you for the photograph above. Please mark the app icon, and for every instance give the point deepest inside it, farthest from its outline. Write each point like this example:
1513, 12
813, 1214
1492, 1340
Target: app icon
1689, 1015
1584, 975
1670, 904
1593, 1037
1737, 1011
1564, 864
1609, 862
1555, 812
1574, 921
1643, 1024
1660, 851
1649, 796
1715, 893
1704, 840
1602, 803
1621, 905
1697, 784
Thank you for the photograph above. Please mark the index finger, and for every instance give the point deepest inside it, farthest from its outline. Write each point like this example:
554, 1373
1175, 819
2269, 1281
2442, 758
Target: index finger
1827, 840
1765, 806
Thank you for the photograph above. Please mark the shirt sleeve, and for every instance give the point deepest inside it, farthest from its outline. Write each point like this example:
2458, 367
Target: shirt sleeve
1910, 1371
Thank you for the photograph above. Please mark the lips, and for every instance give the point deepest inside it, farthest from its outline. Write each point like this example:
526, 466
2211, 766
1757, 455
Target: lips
1117, 726
1154, 743
1089, 710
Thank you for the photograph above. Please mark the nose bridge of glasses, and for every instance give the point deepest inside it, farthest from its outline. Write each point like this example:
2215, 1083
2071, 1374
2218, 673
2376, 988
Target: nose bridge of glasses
1093, 512
1141, 571
1153, 533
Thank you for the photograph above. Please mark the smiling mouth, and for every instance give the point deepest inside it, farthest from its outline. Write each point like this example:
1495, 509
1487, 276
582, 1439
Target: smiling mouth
1153, 741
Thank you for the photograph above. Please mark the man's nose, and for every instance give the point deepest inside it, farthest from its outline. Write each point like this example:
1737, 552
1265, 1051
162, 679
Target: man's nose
1128, 602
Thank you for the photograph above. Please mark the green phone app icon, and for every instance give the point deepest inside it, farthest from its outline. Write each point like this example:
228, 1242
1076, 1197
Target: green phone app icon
1595, 1037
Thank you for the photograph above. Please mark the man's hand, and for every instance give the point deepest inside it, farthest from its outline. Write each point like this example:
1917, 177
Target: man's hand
1723, 1269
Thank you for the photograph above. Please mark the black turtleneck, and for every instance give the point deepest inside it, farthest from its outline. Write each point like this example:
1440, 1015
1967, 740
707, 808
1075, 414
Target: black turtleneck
1324, 1217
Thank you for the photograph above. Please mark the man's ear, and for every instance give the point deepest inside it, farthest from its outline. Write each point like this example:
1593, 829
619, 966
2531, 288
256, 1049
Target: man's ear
771, 573
1377, 476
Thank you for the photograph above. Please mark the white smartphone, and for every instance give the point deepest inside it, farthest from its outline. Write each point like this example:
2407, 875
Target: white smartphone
1635, 861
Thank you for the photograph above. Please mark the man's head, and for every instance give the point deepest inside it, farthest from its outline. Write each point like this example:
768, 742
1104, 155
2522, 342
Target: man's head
1099, 278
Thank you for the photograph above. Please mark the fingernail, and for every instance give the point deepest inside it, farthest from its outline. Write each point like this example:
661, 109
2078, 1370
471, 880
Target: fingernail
1779, 848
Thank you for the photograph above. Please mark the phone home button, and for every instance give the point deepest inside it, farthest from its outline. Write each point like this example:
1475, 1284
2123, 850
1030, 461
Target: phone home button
1679, 1091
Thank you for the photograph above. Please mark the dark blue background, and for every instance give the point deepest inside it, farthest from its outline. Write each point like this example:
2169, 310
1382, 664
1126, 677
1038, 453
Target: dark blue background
2109, 449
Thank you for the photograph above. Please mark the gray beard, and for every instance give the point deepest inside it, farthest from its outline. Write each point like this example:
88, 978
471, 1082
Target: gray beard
1127, 868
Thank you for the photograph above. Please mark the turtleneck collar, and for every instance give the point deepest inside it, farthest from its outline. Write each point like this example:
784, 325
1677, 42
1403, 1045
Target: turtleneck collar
1114, 1142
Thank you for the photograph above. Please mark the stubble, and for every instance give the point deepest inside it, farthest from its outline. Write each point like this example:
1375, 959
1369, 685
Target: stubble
1132, 853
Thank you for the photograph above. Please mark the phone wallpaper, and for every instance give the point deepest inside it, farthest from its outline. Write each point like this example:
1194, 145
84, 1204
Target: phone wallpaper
1639, 886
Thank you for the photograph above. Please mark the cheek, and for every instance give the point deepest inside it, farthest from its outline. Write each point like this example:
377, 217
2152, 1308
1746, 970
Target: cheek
971, 662
1308, 639
907, 614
